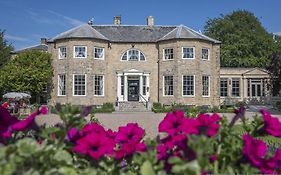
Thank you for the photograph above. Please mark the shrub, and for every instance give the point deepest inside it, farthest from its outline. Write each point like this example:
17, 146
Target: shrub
278, 105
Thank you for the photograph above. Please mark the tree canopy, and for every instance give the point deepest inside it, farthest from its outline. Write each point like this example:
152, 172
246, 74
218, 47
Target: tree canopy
27, 72
5, 49
245, 42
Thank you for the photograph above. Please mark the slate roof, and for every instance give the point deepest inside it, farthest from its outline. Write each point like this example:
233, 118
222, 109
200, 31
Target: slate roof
132, 33
40, 47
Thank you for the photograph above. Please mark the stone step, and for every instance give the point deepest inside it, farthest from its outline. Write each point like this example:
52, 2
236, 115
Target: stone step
132, 107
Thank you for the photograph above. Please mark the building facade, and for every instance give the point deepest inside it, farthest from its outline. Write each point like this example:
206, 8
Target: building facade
95, 64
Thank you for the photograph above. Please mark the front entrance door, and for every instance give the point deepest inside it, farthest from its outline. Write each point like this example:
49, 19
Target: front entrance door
256, 90
133, 90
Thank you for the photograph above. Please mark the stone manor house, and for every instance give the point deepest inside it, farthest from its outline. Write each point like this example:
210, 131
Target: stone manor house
136, 65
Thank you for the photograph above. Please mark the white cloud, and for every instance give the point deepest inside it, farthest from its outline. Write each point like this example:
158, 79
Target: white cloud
15, 38
38, 18
278, 33
72, 21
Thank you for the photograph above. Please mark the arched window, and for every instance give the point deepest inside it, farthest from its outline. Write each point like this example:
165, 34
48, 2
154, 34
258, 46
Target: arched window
133, 55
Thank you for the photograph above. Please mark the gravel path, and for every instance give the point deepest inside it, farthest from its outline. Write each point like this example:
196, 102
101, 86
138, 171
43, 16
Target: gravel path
147, 120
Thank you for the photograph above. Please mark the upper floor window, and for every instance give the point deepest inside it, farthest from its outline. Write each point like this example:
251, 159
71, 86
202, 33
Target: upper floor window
98, 53
168, 54
62, 52
80, 52
188, 53
235, 87
133, 55
205, 54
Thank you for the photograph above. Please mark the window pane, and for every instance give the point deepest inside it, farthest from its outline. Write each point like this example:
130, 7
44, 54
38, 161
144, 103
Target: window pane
61, 85
188, 52
235, 87
205, 54
80, 51
62, 52
98, 86
223, 87
188, 85
144, 85
79, 84
168, 85
168, 54
98, 52
205, 85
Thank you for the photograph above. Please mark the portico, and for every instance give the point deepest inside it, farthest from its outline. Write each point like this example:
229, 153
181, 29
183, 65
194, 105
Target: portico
133, 85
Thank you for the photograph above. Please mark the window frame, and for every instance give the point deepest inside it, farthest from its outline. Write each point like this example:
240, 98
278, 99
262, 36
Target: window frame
208, 54
103, 53
182, 53
74, 55
209, 86
94, 83
59, 80
232, 88
73, 85
164, 90
127, 55
224, 79
59, 52
193, 85
164, 54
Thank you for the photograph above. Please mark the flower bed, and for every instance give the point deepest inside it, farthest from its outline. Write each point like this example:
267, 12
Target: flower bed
207, 144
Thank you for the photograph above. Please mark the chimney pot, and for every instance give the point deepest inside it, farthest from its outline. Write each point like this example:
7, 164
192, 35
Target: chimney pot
44, 41
117, 20
150, 21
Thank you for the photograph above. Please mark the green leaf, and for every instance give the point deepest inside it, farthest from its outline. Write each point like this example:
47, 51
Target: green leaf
188, 168
146, 169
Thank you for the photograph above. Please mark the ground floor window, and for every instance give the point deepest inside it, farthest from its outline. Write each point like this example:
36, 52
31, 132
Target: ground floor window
235, 87
98, 85
205, 85
61, 85
168, 85
255, 87
223, 87
79, 85
188, 85
122, 85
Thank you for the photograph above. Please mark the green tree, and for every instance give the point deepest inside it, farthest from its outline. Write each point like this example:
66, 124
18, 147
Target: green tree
245, 42
27, 72
5, 49
274, 68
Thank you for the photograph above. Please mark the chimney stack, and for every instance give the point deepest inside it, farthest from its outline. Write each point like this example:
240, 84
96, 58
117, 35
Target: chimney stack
150, 21
44, 41
91, 22
117, 20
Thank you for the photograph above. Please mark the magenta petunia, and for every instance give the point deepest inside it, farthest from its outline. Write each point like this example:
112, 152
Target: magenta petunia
92, 128
73, 135
208, 124
95, 145
268, 166
254, 150
271, 124
129, 148
130, 132
277, 158
174, 122
213, 158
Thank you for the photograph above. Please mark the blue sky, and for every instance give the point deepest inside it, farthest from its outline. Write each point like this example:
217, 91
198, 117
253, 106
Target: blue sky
26, 21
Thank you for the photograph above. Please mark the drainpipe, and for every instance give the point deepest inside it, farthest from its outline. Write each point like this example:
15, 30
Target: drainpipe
158, 72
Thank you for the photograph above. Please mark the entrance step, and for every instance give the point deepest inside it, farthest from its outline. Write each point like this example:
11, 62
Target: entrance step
133, 106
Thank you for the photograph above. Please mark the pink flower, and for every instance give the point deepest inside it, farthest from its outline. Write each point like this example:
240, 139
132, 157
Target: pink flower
239, 114
130, 132
213, 158
128, 149
277, 158
93, 144
268, 166
173, 123
254, 150
10, 124
73, 135
92, 127
208, 124
271, 124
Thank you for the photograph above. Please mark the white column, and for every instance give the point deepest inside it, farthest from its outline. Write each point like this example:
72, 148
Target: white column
147, 86
140, 87
125, 87
119, 88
